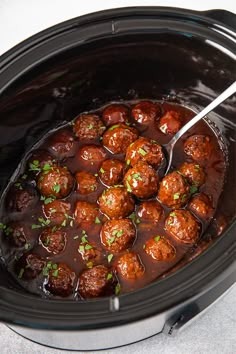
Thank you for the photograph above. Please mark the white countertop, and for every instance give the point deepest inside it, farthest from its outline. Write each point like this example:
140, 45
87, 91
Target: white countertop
215, 331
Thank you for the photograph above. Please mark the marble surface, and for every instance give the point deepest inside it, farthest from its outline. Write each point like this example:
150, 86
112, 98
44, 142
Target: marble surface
215, 331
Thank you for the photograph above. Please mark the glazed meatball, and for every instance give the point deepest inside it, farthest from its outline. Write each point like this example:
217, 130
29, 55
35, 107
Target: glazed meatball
18, 234
150, 211
118, 137
144, 149
58, 211
141, 180
174, 190
198, 147
62, 144
111, 172
201, 205
53, 240
117, 235
116, 203
97, 281
57, 182
21, 200
170, 122
193, 172
115, 113
29, 266
86, 182
91, 155
89, 251
88, 127
40, 160
61, 279
129, 266
183, 226
145, 112
86, 212
160, 249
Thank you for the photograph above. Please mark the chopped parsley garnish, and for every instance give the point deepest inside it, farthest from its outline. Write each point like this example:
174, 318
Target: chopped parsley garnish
81, 248
176, 196
113, 127
197, 168
47, 241
183, 198
157, 238
88, 247
55, 273
34, 166
117, 233
96, 174
42, 223
134, 218
172, 213
56, 188
97, 220
90, 126
109, 276
111, 240
193, 189
21, 272
109, 257
18, 185
27, 246
137, 176
142, 152
102, 170
50, 266
128, 162
49, 200
46, 168
117, 289
89, 264
108, 202
7, 229
129, 189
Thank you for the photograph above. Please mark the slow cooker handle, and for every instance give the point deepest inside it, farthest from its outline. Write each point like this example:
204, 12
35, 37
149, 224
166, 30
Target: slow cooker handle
226, 17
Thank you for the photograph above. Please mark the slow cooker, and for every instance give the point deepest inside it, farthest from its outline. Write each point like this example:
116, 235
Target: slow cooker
129, 53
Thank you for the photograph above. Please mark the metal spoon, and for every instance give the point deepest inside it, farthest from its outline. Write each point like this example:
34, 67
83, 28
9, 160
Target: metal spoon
221, 98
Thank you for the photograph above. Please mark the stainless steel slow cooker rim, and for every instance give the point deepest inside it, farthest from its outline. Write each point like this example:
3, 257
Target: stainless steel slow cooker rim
8, 295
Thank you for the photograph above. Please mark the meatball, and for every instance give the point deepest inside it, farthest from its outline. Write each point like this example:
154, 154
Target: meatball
111, 172
144, 149
145, 112
88, 127
57, 211
86, 182
115, 113
198, 147
170, 122
86, 212
29, 266
118, 137
61, 279
116, 203
117, 235
20, 200
160, 249
201, 205
17, 234
40, 160
62, 144
57, 182
53, 240
89, 251
90, 155
193, 172
174, 190
150, 211
129, 266
141, 180
183, 226
97, 281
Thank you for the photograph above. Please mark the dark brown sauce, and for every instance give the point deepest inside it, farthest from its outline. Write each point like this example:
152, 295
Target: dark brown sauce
215, 171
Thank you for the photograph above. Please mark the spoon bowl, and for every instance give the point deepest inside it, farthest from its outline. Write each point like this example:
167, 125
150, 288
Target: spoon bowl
168, 148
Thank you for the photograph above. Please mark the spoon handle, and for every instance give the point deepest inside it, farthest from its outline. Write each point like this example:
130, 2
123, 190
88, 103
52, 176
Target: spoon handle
222, 97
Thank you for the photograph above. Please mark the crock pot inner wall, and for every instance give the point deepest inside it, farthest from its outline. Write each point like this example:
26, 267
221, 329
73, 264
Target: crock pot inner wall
176, 66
